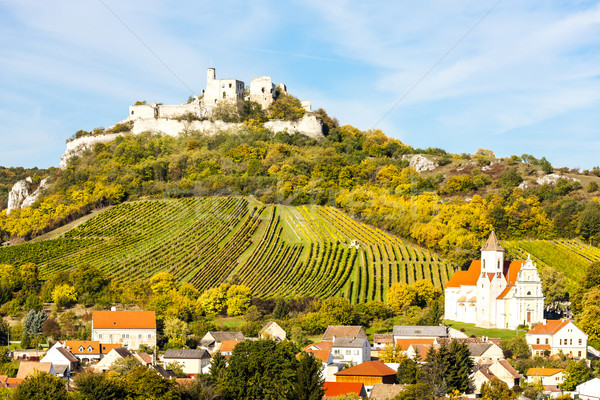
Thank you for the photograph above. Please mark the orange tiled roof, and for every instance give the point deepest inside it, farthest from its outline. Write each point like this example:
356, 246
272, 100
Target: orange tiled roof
423, 349
74, 345
229, 345
405, 343
322, 355
333, 389
466, 278
549, 328
124, 320
509, 368
513, 270
319, 346
368, 368
540, 347
13, 382
543, 371
107, 347
27, 367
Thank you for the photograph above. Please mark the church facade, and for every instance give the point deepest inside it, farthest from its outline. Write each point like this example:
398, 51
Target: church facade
494, 293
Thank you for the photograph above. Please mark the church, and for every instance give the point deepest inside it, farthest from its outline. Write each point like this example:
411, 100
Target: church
494, 293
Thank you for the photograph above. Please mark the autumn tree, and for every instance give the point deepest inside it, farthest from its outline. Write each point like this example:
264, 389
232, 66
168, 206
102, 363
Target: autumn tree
239, 298
41, 386
64, 295
495, 389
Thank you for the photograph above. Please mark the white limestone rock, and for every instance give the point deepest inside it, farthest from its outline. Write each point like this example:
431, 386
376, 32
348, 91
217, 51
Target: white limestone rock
33, 197
309, 125
551, 179
18, 194
419, 162
524, 185
77, 146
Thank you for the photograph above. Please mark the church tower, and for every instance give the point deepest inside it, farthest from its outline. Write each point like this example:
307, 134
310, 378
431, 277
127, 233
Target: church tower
491, 281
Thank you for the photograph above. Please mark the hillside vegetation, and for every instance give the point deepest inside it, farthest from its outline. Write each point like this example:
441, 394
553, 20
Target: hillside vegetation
274, 250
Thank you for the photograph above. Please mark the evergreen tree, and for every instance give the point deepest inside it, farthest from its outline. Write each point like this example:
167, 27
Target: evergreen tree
281, 310
34, 322
459, 368
408, 370
217, 367
309, 383
434, 372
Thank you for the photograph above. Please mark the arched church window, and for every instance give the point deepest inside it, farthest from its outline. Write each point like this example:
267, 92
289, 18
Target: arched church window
483, 264
498, 264
529, 293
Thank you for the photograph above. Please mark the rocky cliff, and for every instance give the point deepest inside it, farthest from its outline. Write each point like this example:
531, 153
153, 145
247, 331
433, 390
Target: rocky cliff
22, 194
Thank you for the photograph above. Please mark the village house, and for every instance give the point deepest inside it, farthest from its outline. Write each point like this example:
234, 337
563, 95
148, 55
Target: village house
144, 358
494, 293
192, 361
27, 368
500, 369
419, 332
61, 359
485, 353
551, 378
212, 341
380, 340
335, 389
351, 350
589, 390
112, 356
557, 336
130, 329
272, 331
368, 373
322, 351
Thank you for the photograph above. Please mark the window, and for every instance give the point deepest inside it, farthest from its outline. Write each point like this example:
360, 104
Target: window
125, 336
81, 349
230, 85
546, 340
528, 293
580, 342
336, 351
356, 352
132, 113
560, 342
498, 264
537, 341
570, 341
348, 352
99, 336
90, 349
140, 336
149, 336
578, 355
224, 95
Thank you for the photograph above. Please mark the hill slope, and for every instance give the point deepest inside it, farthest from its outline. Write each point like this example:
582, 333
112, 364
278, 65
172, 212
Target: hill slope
276, 250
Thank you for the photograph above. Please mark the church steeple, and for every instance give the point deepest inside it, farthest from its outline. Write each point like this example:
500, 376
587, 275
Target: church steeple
492, 256
492, 244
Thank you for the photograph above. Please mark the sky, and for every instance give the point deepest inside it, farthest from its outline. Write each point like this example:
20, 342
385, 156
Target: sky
511, 76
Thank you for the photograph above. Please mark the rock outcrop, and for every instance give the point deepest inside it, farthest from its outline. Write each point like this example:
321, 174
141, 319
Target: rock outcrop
77, 146
419, 162
551, 179
21, 196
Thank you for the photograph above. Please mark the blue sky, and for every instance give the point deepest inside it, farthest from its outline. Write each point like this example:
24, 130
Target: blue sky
526, 79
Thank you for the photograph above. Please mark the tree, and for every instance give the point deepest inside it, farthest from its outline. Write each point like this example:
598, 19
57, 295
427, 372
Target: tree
495, 389
309, 383
176, 330
124, 365
88, 279
145, 384
34, 321
588, 318
459, 368
576, 373
92, 386
162, 283
286, 107
239, 298
30, 277
416, 391
281, 310
518, 346
589, 222
400, 295
592, 276
177, 368
409, 370
213, 300
218, 366
433, 373
51, 329
425, 292
41, 386
201, 388
64, 295
391, 354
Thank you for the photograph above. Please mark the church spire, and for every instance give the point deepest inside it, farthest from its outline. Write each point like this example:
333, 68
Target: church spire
492, 244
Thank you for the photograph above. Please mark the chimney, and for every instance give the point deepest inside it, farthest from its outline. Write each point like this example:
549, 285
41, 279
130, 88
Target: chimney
113, 308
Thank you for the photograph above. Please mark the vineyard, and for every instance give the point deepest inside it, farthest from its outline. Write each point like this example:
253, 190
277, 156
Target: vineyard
569, 256
276, 250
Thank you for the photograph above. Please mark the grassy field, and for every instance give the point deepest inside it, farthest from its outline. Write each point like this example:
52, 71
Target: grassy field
471, 329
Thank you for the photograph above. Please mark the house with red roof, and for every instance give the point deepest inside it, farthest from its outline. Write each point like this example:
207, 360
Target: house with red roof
334, 389
129, 329
494, 293
556, 336
368, 373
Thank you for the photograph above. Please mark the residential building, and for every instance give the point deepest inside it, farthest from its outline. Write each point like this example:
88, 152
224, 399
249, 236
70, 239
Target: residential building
27, 368
144, 358
85, 350
556, 336
212, 340
335, 389
380, 340
419, 332
350, 331
589, 390
494, 293
351, 350
419, 351
548, 376
500, 369
130, 329
322, 351
61, 359
485, 353
193, 361
227, 347
272, 331
112, 356
368, 373
385, 391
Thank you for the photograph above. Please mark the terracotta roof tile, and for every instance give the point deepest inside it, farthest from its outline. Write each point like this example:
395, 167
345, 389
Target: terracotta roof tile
319, 346
322, 355
145, 357
549, 328
466, 278
543, 371
541, 347
107, 347
27, 367
124, 320
423, 349
368, 368
509, 368
383, 338
406, 343
74, 346
333, 389
229, 345
332, 331
13, 382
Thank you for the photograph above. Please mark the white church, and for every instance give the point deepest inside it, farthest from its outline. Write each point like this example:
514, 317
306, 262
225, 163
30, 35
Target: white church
494, 293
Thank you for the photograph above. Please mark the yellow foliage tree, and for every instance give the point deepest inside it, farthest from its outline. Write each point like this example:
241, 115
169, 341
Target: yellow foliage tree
162, 283
64, 295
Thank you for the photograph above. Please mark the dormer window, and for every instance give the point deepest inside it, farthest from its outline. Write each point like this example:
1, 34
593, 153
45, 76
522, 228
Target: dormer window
90, 349
81, 349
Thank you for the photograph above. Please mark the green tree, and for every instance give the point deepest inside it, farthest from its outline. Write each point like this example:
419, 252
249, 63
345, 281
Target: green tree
408, 370
90, 386
415, 391
286, 107
31, 279
34, 321
576, 373
218, 366
162, 283
518, 347
281, 310
459, 368
239, 298
125, 365
309, 383
176, 330
213, 300
145, 384
41, 386
592, 276
89, 280
588, 319
495, 389
201, 388
589, 222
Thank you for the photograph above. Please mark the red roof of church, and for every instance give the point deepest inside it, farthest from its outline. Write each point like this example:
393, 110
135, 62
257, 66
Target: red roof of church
469, 278
513, 270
